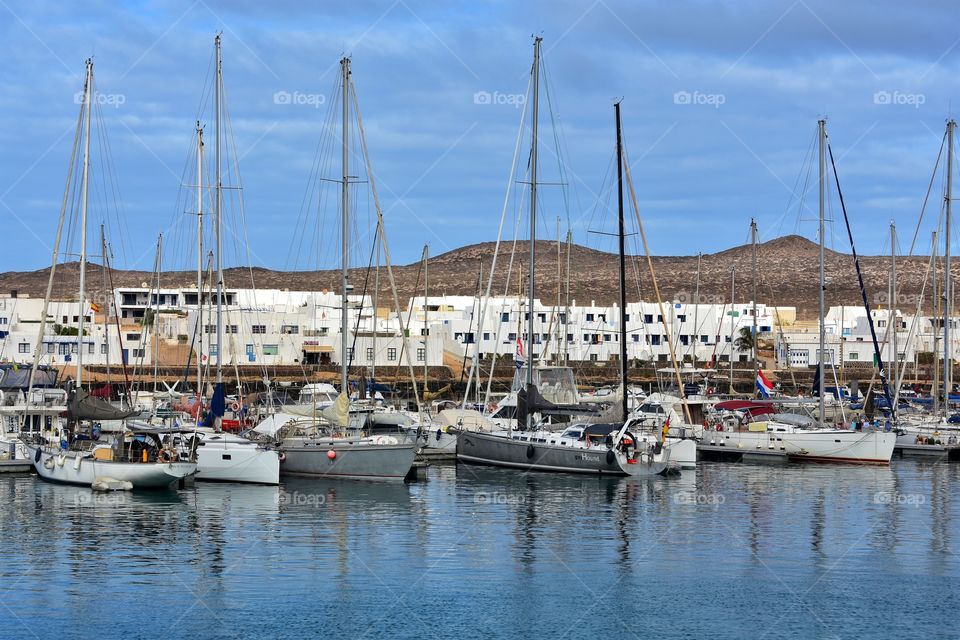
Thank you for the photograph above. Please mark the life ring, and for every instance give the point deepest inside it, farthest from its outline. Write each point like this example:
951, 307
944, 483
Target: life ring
283, 457
235, 406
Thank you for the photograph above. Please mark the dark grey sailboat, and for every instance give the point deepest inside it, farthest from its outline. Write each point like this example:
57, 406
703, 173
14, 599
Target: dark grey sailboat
607, 451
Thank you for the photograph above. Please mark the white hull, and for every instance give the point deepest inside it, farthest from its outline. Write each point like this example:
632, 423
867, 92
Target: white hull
65, 469
235, 459
815, 445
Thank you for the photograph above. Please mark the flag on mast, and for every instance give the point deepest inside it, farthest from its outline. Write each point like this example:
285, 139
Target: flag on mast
518, 358
764, 386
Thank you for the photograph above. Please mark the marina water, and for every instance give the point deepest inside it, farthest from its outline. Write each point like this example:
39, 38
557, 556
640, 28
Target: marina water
728, 551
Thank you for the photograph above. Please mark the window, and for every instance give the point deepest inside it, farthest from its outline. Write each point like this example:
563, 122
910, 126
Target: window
103, 349
606, 337
3, 320
136, 353
589, 317
391, 354
704, 339
270, 349
74, 348
210, 328
682, 317
249, 350
486, 335
626, 317
542, 317
63, 348
349, 353
505, 317
51, 347
90, 348
636, 337
289, 329
258, 328
512, 337
369, 354
648, 318
655, 340
230, 328
133, 337
603, 317
213, 349
586, 337
421, 354
569, 337
593, 357
563, 318
853, 356
24, 347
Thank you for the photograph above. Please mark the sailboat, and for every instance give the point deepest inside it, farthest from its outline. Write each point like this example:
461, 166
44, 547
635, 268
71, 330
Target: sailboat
820, 443
337, 448
602, 449
138, 458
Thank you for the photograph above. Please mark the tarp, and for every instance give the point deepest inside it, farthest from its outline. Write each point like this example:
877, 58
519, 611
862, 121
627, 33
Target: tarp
752, 408
83, 406
339, 412
102, 392
273, 423
218, 404
18, 377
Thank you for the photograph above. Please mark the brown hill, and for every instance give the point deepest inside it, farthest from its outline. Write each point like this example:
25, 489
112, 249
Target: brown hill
787, 267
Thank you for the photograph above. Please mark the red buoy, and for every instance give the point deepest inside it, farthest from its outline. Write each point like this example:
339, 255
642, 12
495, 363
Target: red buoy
331, 454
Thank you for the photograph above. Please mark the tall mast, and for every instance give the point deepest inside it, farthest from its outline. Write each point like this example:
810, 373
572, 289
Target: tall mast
822, 137
88, 101
156, 316
566, 345
533, 216
623, 271
733, 293
893, 304
219, 216
200, 328
753, 243
344, 219
376, 304
947, 280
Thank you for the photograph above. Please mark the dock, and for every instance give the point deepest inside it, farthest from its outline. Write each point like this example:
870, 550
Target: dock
949, 452
19, 465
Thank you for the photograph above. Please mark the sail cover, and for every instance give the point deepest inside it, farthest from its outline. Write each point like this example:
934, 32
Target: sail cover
83, 406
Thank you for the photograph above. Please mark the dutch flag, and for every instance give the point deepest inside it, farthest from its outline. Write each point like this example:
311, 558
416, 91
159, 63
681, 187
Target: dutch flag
764, 386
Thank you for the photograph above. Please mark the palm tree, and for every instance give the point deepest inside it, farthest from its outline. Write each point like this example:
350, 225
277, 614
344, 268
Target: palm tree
744, 341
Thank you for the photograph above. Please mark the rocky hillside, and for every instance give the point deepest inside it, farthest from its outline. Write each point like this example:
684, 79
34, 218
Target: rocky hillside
787, 267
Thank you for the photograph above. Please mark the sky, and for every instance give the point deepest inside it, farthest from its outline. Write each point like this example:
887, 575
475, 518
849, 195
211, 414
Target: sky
720, 102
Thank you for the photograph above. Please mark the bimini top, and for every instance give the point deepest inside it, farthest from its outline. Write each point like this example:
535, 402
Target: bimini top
749, 406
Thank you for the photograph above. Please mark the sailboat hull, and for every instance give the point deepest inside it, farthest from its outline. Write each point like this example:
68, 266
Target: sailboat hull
352, 460
812, 445
502, 450
150, 475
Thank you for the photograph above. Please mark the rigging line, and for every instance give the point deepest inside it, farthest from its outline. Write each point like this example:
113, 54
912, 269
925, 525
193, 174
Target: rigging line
863, 290
926, 198
475, 365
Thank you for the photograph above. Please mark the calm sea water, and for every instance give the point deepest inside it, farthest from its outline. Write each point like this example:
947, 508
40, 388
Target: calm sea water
728, 551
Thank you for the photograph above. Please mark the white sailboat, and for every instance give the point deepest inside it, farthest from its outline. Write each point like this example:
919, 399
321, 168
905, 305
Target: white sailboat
137, 459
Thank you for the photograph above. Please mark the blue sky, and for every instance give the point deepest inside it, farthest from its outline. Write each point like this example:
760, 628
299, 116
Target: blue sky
720, 105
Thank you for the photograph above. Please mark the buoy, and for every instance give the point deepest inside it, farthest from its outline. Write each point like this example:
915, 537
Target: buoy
76, 463
235, 406
611, 456
61, 459
331, 454
530, 451
283, 457
36, 456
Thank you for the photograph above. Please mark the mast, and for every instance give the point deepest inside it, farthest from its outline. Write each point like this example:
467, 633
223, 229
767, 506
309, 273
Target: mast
426, 324
935, 387
556, 311
947, 279
533, 217
219, 215
893, 304
753, 243
88, 98
822, 138
344, 216
566, 345
733, 293
376, 304
106, 309
696, 311
156, 316
623, 271
200, 327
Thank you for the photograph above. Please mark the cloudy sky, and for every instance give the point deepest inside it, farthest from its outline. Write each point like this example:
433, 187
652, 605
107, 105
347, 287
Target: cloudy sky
720, 105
